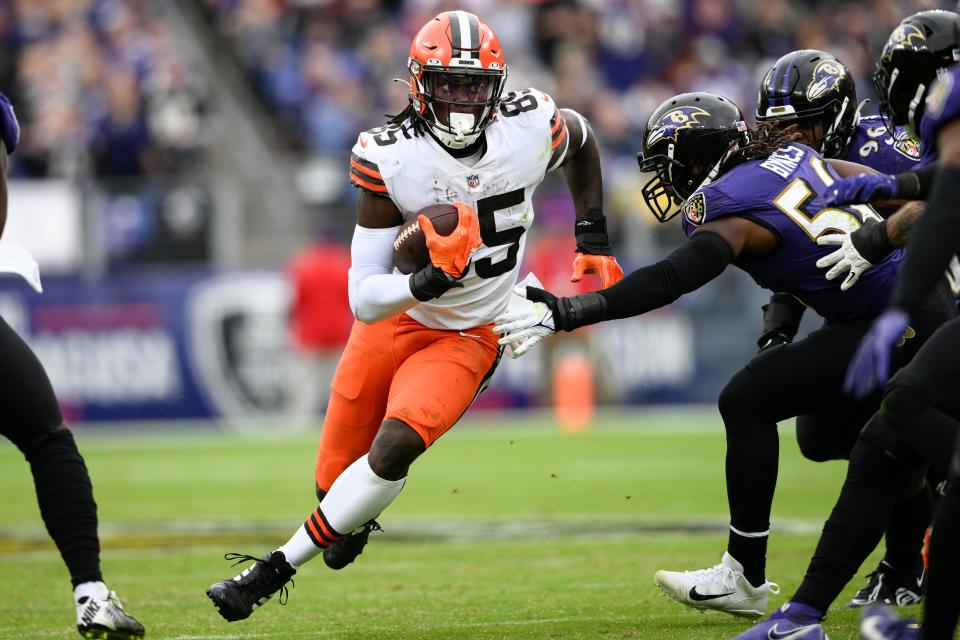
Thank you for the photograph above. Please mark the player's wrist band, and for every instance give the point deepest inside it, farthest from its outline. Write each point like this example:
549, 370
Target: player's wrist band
431, 282
872, 242
579, 311
591, 234
781, 317
916, 185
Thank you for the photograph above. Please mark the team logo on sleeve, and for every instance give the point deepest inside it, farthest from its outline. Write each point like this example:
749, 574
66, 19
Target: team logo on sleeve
673, 121
907, 146
826, 77
695, 208
939, 93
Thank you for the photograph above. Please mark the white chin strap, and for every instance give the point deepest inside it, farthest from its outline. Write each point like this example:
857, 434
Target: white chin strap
459, 123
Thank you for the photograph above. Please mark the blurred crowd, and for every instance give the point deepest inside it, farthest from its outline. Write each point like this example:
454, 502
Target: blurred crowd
325, 67
111, 89
102, 88
104, 85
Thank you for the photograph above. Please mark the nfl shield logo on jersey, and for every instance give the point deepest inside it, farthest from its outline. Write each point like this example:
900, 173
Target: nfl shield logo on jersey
473, 181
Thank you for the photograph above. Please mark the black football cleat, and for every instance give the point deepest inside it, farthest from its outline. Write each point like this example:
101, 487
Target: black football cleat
888, 586
346, 549
238, 597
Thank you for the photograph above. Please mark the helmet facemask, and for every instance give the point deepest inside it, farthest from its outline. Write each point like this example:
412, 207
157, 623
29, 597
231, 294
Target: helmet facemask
660, 191
675, 180
457, 104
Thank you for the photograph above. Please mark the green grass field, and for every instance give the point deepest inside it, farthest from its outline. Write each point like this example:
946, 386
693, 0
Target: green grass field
507, 528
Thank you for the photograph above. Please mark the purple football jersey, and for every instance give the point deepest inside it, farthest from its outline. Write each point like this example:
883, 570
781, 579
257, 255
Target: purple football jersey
785, 193
873, 146
943, 106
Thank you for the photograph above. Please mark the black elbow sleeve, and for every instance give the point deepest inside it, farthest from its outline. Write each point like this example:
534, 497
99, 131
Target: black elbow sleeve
701, 259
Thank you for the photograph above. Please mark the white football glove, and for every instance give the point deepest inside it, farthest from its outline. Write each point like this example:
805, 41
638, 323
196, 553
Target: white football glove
846, 259
524, 324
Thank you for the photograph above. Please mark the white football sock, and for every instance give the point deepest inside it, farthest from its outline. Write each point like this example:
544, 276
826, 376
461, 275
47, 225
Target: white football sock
299, 548
356, 496
95, 590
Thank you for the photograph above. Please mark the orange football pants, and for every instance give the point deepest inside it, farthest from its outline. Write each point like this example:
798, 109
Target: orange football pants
400, 369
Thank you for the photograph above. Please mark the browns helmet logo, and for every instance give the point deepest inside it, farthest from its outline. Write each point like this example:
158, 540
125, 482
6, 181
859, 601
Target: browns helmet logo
673, 121
826, 77
695, 208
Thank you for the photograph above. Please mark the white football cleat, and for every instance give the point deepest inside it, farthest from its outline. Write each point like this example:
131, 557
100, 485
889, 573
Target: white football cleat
720, 588
102, 616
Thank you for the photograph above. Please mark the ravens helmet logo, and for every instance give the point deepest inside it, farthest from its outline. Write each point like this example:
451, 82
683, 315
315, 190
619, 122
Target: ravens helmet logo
904, 36
826, 77
673, 121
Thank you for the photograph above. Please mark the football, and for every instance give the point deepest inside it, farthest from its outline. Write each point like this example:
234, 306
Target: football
410, 247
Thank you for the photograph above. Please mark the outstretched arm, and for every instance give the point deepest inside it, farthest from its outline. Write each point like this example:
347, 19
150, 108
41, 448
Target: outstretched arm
870, 186
701, 259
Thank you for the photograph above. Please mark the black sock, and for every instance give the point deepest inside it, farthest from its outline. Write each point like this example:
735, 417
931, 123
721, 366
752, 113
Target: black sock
940, 605
65, 497
752, 554
908, 524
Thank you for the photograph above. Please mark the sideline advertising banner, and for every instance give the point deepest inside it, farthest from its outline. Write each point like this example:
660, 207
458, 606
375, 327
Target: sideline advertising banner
197, 344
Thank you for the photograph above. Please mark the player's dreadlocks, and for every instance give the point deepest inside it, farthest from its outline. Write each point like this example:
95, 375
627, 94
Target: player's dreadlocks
765, 139
419, 126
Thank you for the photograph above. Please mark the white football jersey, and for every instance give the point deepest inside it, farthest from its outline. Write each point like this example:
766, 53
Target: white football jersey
415, 171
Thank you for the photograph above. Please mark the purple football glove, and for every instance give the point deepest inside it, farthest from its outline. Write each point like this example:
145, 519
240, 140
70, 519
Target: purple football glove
9, 127
870, 366
861, 188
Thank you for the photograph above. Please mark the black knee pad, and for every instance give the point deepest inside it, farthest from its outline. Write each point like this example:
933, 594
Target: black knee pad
902, 401
870, 462
740, 394
881, 433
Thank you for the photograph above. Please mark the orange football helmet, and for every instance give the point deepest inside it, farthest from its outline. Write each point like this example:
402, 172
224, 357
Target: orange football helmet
457, 74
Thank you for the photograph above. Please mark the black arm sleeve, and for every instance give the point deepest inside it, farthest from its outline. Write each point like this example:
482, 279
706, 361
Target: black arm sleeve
933, 240
916, 185
701, 259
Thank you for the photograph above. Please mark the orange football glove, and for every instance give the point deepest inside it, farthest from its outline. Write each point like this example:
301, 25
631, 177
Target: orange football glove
604, 266
452, 253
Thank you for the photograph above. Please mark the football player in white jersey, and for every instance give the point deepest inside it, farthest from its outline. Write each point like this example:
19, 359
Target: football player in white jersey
423, 345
